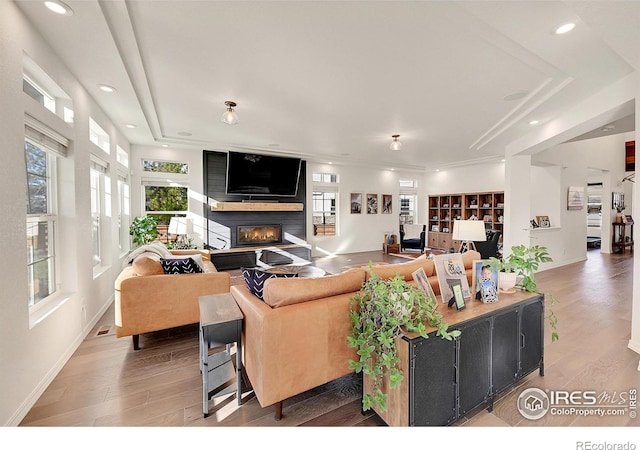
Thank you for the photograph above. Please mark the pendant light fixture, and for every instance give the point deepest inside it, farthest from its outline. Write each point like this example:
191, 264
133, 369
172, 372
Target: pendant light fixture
230, 117
395, 144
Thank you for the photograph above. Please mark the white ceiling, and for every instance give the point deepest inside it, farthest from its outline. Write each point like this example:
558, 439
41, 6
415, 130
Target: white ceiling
333, 80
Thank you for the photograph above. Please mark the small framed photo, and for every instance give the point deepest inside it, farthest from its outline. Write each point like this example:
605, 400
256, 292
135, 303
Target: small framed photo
356, 203
423, 283
543, 221
387, 202
458, 297
484, 281
372, 203
575, 197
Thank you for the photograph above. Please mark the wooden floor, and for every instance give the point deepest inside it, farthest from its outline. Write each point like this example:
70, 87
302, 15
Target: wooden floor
106, 383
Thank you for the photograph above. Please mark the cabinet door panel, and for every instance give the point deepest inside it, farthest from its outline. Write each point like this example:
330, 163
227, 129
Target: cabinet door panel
532, 332
474, 362
433, 389
505, 344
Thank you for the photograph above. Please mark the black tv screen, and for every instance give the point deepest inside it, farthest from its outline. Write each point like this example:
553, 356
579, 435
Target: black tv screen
250, 174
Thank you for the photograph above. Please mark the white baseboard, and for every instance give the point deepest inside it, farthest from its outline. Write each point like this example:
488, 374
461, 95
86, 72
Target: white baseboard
31, 399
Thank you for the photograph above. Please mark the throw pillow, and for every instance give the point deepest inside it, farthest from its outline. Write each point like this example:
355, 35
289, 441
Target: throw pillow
196, 257
178, 266
254, 279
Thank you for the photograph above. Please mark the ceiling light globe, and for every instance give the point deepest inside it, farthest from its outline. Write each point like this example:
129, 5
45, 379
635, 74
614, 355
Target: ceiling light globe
395, 144
230, 117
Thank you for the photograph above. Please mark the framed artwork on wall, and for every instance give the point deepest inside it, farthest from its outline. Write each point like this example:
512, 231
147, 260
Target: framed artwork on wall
372, 203
630, 156
356, 203
575, 197
387, 200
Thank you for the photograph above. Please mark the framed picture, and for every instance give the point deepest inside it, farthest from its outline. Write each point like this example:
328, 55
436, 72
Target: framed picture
617, 201
630, 156
372, 203
449, 266
387, 200
484, 285
423, 283
356, 203
575, 197
458, 297
543, 221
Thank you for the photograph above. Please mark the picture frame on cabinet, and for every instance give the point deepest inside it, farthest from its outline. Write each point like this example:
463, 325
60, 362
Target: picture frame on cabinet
543, 221
422, 281
356, 203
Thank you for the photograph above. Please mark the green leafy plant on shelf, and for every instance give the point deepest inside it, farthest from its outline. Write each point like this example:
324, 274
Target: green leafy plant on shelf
525, 261
144, 230
381, 311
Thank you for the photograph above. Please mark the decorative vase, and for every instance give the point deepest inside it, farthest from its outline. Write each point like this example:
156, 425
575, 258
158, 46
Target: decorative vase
507, 281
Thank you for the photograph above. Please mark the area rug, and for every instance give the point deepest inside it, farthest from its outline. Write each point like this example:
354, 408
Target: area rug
406, 255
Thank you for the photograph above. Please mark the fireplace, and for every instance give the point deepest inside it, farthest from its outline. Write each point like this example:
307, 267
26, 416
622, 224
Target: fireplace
259, 234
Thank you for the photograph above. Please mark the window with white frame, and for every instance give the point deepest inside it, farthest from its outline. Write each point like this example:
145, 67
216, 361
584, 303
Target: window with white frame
38, 85
152, 165
122, 157
325, 178
42, 148
408, 200
124, 213
100, 186
324, 213
164, 200
33, 90
95, 215
98, 136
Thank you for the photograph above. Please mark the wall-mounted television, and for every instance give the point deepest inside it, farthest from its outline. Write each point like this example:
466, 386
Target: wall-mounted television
251, 174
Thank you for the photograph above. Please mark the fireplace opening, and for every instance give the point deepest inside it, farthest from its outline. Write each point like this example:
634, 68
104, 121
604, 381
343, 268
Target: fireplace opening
259, 234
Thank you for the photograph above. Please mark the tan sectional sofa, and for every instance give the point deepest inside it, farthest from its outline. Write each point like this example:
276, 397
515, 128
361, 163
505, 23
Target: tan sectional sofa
296, 339
147, 299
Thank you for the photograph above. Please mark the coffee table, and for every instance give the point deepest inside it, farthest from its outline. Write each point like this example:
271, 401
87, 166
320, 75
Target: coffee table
302, 271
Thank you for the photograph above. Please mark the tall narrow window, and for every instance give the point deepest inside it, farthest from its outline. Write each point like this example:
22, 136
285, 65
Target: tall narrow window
407, 208
98, 136
124, 213
41, 221
324, 213
95, 215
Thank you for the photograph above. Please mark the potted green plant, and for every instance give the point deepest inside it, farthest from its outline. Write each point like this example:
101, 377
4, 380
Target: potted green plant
381, 311
523, 262
144, 230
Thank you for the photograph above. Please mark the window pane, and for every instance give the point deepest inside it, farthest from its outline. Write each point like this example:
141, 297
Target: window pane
36, 161
166, 198
164, 166
40, 257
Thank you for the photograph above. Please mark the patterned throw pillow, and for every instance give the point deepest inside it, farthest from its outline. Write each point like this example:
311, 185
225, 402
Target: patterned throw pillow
183, 265
255, 279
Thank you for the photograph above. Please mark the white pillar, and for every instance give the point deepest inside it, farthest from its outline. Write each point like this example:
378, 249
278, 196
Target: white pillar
517, 201
634, 343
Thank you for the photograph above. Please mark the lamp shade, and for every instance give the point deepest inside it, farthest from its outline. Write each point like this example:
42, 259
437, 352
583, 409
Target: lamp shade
229, 116
469, 230
180, 226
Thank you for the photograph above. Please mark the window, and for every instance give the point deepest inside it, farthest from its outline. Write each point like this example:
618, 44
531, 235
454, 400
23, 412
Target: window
149, 165
95, 215
407, 208
412, 184
324, 213
124, 213
98, 136
41, 221
165, 201
34, 91
325, 178
121, 156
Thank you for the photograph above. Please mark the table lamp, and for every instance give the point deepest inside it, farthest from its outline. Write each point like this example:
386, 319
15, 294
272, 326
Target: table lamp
468, 231
181, 227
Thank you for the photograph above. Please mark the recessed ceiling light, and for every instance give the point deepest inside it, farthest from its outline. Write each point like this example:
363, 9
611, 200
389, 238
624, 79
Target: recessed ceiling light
184, 133
515, 96
502, 160
130, 125
608, 128
59, 7
165, 145
106, 88
534, 122
565, 28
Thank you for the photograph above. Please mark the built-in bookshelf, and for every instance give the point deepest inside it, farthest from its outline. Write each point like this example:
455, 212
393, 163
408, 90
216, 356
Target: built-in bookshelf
444, 209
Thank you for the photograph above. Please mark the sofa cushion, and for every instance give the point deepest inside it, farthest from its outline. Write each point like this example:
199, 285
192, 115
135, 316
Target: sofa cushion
279, 292
179, 266
412, 230
255, 279
147, 263
405, 270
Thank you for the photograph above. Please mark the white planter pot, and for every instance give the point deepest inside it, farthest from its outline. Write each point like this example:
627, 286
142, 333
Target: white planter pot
507, 281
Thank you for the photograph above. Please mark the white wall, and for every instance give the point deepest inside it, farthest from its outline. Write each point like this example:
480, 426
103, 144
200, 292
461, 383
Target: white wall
487, 177
32, 354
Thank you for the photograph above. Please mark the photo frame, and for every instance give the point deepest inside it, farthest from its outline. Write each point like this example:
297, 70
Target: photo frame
387, 203
575, 198
458, 297
484, 285
617, 201
372, 203
356, 203
450, 266
543, 221
422, 281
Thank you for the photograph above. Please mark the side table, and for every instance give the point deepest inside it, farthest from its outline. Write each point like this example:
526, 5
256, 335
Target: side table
220, 325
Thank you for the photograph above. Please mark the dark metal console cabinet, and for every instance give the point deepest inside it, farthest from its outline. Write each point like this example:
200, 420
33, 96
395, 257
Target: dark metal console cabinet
444, 380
